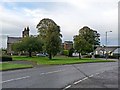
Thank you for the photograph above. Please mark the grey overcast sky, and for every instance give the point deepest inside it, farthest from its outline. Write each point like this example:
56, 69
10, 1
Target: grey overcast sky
70, 15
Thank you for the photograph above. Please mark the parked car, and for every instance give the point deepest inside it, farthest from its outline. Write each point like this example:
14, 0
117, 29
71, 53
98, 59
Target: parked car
42, 54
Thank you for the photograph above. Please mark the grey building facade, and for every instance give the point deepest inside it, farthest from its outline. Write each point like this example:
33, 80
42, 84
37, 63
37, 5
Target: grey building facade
11, 40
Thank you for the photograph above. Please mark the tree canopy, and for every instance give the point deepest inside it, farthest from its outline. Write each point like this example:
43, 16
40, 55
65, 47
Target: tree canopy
49, 33
86, 40
28, 44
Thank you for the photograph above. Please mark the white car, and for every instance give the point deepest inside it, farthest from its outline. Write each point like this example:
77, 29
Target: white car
41, 54
75, 54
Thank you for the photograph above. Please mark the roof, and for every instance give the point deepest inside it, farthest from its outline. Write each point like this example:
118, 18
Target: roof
107, 48
68, 42
13, 39
117, 50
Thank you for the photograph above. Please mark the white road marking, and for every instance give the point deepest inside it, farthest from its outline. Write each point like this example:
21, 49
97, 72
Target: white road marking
53, 72
42, 73
67, 87
97, 73
85, 78
77, 82
102, 71
15, 79
91, 75
80, 80
29, 76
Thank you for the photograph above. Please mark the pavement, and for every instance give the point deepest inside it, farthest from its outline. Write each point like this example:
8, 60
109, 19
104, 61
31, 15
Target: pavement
60, 76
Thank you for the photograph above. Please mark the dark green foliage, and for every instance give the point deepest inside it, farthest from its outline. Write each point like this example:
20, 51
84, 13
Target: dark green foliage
4, 51
90, 35
49, 32
28, 44
86, 40
114, 57
5, 58
65, 52
71, 51
99, 56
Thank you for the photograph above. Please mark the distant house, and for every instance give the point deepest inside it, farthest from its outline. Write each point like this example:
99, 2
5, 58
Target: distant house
109, 49
11, 40
68, 45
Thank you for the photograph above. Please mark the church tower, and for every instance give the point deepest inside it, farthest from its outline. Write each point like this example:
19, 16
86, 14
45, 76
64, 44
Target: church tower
25, 33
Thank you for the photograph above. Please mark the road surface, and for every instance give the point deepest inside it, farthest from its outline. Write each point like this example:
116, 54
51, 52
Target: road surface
107, 79
60, 76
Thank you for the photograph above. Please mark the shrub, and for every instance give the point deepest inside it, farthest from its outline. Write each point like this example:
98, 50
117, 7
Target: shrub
65, 52
71, 51
5, 58
99, 56
114, 57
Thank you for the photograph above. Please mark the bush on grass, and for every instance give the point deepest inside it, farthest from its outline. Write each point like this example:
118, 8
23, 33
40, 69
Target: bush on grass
5, 58
66, 52
114, 57
71, 51
99, 56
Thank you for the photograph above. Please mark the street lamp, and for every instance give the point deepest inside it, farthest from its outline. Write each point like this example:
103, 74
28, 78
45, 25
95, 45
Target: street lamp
106, 36
106, 55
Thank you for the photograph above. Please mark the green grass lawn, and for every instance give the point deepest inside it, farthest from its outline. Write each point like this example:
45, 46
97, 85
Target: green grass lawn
9, 66
59, 60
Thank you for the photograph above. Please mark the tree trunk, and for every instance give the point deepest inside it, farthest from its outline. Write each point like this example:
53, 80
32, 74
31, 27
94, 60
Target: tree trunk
50, 56
79, 56
30, 54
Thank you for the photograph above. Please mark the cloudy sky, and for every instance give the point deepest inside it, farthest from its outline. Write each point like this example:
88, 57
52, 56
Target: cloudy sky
70, 15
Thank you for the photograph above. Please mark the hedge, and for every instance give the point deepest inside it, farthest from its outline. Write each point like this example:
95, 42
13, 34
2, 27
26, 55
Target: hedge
5, 58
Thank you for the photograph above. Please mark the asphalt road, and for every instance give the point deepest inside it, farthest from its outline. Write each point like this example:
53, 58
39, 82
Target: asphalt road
107, 79
53, 76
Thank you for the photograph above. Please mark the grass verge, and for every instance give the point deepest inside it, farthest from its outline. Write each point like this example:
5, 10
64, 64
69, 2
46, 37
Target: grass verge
58, 60
10, 66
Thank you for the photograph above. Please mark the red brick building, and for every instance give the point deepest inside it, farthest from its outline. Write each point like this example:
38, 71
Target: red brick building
68, 45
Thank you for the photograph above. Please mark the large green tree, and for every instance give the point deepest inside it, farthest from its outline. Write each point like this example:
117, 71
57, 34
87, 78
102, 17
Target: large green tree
86, 40
49, 32
28, 44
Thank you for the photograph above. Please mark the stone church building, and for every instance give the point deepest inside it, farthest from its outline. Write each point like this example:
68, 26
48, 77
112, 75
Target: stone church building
11, 40
67, 45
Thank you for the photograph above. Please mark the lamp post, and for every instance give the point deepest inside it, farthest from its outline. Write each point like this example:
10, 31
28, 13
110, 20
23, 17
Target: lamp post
106, 36
106, 55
